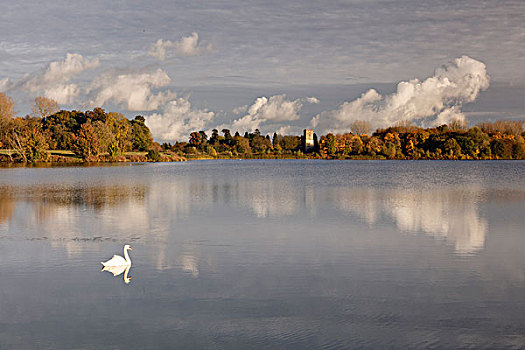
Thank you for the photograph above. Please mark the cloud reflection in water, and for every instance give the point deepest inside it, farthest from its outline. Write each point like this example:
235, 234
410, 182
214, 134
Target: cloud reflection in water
451, 214
156, 207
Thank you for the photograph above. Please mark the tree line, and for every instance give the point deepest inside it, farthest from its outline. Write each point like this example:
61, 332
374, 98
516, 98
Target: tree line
251, 144
96, 134
487, 140
88, 134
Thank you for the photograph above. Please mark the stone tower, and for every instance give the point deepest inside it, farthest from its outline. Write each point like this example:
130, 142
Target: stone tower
308, 136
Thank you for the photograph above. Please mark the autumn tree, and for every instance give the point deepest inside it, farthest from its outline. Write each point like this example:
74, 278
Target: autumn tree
121, 129
7, 107
195, 139
7, 111
60, 127
392, 147
105, 136
86, 142
27, 140
374, 145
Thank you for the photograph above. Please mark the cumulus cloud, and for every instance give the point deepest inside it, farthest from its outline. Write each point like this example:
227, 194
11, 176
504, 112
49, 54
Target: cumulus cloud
436, 100
63, 93
240, 109
273, 109
313, 100
52, 81
186, 46
132, 90
178, 120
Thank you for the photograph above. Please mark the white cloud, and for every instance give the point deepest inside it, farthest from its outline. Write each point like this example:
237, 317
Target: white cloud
52, 81
273, 109
133, 90
178, 120
284, 130
241, 109
312, 99
159, 49
72, 65
63, 93
186, 46
435, 100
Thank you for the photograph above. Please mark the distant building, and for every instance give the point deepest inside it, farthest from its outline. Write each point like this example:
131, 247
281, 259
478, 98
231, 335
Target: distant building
308, 143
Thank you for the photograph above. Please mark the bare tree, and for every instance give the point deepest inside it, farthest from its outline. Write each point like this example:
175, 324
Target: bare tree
360, 127
405, 126
457, 124
44, 107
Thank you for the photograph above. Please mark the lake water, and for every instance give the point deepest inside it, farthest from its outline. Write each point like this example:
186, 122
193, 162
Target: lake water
265, 254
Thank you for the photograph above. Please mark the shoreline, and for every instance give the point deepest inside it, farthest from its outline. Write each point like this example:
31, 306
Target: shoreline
52, 164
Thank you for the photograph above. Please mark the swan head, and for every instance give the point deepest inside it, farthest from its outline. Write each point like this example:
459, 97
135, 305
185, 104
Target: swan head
127, 247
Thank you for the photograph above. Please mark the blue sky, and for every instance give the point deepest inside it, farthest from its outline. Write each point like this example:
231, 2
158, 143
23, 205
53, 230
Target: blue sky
221, 56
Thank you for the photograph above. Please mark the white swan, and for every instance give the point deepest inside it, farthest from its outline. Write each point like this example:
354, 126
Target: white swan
117, 270
117, 260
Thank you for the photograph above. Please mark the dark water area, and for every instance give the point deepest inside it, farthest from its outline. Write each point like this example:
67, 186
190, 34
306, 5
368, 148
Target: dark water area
265, 254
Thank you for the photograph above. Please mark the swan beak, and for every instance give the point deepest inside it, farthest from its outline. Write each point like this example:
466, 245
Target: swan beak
130, 249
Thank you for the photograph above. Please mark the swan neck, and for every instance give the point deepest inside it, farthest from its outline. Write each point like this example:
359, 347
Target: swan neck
126, 256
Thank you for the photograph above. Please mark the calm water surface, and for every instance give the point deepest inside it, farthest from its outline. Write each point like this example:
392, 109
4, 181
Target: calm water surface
265, 254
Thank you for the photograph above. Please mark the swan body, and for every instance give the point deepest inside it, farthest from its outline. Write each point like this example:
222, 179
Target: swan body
116, 270
117, 260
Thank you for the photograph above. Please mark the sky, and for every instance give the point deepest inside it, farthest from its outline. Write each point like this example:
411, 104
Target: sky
280, 66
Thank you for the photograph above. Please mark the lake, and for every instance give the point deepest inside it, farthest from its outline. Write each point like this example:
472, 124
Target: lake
264, 254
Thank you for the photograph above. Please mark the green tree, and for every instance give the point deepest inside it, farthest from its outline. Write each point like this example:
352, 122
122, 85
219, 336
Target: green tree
227, 136
214, 139
260, 144
242, 145
452, 148
502, 148
141, 137
331, 145
290, 143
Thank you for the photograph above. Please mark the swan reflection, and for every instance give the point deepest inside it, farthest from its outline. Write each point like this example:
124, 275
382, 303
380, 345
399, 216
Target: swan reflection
118, 270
